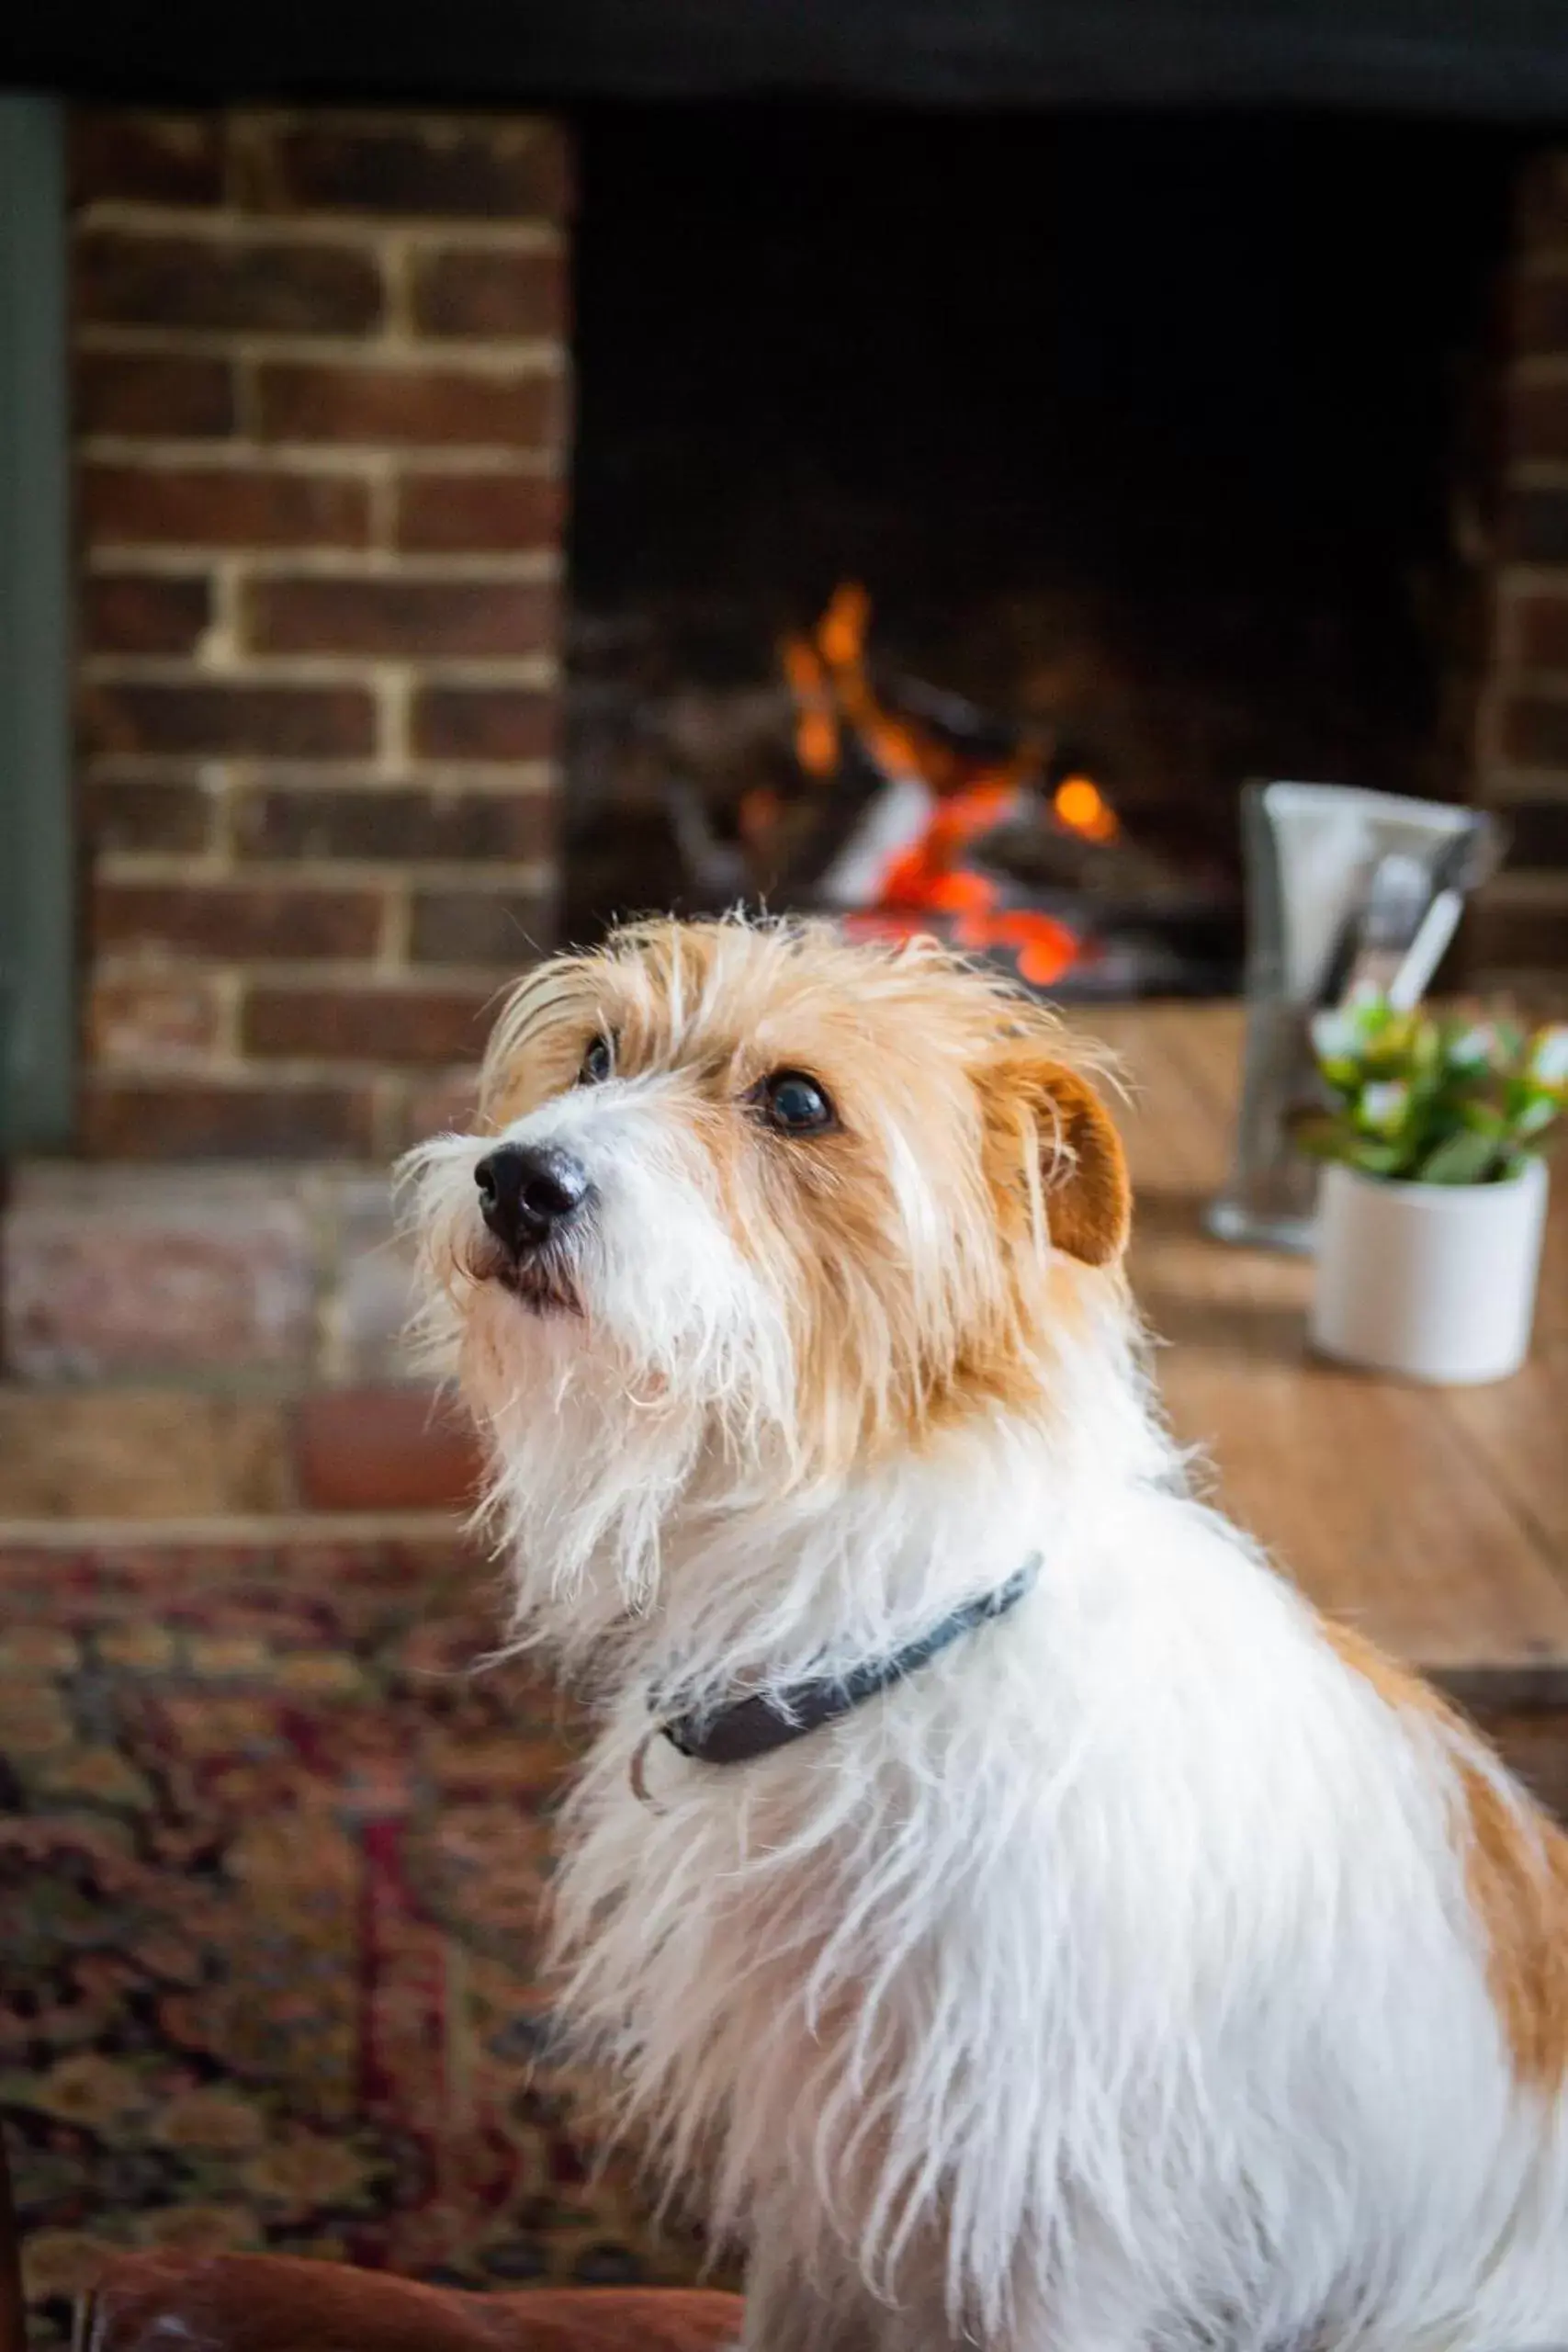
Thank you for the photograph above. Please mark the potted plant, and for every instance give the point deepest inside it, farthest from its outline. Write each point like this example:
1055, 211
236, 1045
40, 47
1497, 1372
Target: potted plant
1433, 1200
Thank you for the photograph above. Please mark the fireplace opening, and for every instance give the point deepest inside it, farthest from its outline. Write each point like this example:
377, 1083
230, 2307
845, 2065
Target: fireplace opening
1149, 453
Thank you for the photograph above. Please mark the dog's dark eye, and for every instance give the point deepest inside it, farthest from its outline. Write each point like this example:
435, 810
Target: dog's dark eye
598, 1063
795, 1103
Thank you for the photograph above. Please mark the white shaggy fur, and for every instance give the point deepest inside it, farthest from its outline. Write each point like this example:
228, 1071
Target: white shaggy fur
1113, 1982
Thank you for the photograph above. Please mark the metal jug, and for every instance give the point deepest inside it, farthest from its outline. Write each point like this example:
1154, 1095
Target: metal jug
1345, 888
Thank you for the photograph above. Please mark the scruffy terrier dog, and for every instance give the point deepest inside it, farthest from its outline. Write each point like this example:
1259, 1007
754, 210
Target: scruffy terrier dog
1031, 1923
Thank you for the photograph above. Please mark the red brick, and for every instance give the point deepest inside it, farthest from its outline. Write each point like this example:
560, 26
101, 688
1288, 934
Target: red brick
237, 720
145, 612
154, 394
146, 813
221, 507
477, 291
385, 1449
315, 821
366, 1318
1515, 938
117, 1277
1535, 525
234, 921
516, 409
158, 1011
372, 1024
1538, 835
142, 158
484, 723
1539, 302
1538, 421
1535, 732
484, 170
1542, 200
130, 279
118, 1452
450, 513
125, 1120
506, 928
447, 1105
1543, 631
407, 619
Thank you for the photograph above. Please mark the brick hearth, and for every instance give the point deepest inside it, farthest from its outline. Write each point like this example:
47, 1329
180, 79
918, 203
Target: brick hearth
186, 1343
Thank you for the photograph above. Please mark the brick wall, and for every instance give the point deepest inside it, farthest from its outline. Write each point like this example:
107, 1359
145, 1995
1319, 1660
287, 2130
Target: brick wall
1522, 766
321, 418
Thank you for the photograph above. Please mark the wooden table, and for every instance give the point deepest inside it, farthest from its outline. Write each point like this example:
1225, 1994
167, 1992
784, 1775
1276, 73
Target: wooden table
1435, 1518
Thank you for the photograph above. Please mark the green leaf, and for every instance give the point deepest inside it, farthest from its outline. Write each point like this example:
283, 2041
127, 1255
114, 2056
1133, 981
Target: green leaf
1536, 1115
1375, 1159
1370, 1014
1442, 1100
1468, 1157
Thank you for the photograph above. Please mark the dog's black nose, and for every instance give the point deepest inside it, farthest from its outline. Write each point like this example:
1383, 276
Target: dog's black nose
528, 1191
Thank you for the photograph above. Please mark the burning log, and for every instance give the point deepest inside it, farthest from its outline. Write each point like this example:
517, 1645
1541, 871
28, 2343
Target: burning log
915, 786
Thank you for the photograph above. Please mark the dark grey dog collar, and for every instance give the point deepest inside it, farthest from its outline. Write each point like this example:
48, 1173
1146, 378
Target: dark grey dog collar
773, 1719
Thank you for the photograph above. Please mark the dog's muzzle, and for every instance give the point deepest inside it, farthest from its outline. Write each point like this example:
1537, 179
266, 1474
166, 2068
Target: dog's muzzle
529, 1194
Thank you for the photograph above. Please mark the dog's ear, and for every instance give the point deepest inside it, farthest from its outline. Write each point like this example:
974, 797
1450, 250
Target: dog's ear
1083, 1168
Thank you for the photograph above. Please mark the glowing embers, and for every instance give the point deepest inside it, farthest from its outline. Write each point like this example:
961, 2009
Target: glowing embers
935, 793
1083, 808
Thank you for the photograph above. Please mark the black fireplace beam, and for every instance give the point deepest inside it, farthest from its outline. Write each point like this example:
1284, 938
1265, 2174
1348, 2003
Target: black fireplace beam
1476, 59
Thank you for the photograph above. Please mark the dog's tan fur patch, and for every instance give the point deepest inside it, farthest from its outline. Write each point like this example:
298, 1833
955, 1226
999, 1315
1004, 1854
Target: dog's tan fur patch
1517, 1873
1518, 1883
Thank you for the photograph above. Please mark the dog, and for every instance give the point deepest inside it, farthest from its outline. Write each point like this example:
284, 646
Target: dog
1034, 1925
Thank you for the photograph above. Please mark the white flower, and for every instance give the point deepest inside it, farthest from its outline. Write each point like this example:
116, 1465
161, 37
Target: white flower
1382, 1105
1336, 1036
1549, 1056
1472, 1047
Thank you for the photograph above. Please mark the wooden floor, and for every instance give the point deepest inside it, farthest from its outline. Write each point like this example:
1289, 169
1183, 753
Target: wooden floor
1437, 1519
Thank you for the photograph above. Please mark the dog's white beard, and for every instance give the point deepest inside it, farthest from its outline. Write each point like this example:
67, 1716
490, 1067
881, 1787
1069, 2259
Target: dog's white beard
671, 1393
592, 1458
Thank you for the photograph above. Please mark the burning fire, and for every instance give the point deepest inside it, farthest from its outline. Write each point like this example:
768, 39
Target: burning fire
817, 720
1083, 808
912, 856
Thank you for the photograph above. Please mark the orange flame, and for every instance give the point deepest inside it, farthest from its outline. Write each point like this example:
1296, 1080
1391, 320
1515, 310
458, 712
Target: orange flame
1083, 808
1044, 947
833, 694
840, 632
816, 723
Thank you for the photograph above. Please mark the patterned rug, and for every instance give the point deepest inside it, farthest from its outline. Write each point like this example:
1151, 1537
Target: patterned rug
271, 1861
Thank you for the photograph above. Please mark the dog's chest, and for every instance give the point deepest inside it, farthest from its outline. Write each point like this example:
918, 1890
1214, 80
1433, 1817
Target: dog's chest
782, 1928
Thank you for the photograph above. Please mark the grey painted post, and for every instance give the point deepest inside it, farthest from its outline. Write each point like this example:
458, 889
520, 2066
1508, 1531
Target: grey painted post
38, 1045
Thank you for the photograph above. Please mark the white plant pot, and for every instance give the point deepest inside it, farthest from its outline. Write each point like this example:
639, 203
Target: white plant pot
1432, 1281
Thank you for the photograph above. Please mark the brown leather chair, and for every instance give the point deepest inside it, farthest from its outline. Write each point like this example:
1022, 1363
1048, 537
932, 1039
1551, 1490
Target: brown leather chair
272, 2303
242, 2303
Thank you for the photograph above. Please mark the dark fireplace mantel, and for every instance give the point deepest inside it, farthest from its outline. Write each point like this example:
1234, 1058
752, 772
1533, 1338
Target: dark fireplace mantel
1482, 59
